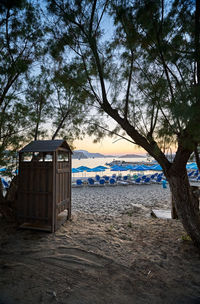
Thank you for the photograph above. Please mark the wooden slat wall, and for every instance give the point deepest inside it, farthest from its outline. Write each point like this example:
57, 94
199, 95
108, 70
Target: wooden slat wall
44, 191
63, 187
35, 191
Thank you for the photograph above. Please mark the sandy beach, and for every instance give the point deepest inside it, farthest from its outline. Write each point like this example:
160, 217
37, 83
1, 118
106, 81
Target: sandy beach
112, 251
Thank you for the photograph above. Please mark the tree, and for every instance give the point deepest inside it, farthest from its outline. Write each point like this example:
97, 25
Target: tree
20, 39
144, 72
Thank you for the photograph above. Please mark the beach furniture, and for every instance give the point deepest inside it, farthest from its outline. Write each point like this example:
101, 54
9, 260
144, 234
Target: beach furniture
153, 176
112, 182
4, 183
91, 182
146, 181
102, 182
122, 182
106, 178
190, 174
44, 189
97, 177
194, 176
79, 183
158, 180
137, 181
197, 179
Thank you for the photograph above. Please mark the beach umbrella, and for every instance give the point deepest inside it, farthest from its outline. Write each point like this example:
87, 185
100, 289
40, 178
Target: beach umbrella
146, 167
192, 166
139, 168
74, 170
130, 167
96, 169
83, 168
156, 168
101, 167
3, 169
119, 168
89, 170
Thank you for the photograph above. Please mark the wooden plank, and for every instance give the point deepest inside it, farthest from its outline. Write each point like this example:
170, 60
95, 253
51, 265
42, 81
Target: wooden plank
35, 218
54, 192
36, 227
50, 195
36, 192
161, 213
63, 203
63, 170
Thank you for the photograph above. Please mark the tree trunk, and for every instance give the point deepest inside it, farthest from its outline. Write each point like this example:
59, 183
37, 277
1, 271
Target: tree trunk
186, 202
174, 214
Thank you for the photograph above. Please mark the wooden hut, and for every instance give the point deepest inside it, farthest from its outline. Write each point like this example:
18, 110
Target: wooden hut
44, 190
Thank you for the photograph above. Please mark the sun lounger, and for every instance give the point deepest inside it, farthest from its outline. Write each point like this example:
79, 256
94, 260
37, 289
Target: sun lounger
158, 180
97, 177
112, 182
101, 182
137, 181
123, 183
77, 183
146, 181
4, 183
91, 182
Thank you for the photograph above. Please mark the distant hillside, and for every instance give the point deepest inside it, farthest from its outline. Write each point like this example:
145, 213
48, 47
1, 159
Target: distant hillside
132, 156
80, 154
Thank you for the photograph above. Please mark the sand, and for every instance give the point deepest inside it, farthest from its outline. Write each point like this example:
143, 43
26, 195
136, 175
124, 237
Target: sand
112, 251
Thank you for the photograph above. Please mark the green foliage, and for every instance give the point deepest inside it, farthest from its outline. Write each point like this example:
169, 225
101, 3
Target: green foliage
146, 67
185, 237
132, 61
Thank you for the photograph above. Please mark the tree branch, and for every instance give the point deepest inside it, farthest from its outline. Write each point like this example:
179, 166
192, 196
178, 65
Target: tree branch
128, 87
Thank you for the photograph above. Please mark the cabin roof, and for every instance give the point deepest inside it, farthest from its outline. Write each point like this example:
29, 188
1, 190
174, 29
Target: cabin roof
45, 146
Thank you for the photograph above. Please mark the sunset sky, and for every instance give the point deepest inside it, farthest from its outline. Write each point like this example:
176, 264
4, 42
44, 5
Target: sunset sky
108, 146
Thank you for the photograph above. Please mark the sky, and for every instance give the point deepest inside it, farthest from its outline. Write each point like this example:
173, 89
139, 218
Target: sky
108, 146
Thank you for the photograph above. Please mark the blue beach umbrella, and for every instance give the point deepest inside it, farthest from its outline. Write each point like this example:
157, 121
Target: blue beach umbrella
83, 168
119, 168
97, 169
74, 170
192, 166
89, 170
156, 168
3, 169
146, 167
139, 168
130, 167
102, 167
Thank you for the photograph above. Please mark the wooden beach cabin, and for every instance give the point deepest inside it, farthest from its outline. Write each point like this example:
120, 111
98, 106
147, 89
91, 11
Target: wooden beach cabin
44, 189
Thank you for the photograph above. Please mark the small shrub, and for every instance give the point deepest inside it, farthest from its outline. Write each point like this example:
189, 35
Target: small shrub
186, 237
